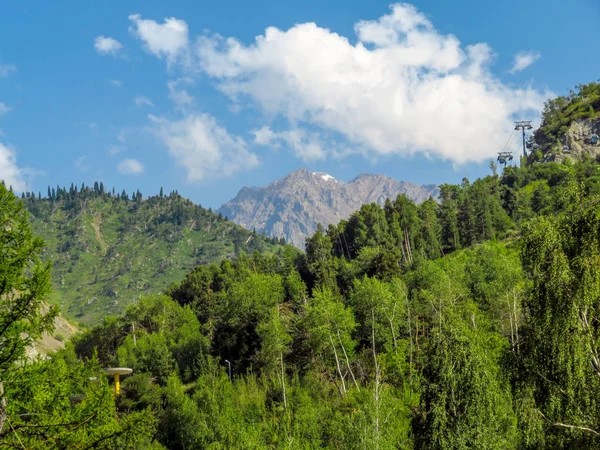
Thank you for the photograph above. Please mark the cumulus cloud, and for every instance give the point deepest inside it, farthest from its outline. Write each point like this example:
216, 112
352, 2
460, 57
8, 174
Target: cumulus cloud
523, 60
306, 145
4, 108
178, 95
6, 69
10, 173
168, 40
202, 147
107, 45
265, 136
402, 88
142, 101
130, 167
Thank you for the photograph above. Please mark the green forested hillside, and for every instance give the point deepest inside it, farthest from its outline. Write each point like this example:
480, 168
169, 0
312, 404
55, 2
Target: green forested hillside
109, 249
559, 113
569, 128
472, 323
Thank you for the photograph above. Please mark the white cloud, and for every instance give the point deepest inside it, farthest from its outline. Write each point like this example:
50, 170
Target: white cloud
107, 45
10, 173
169, 40
523, 60
80, 164
4, 109
179, 96
402, 88
116, 83
306, 145
6, 69
143, 101
115, 149
265, 136
202, 147
130, 167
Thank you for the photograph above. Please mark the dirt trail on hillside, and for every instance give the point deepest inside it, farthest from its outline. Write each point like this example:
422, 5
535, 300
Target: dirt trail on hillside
96, 224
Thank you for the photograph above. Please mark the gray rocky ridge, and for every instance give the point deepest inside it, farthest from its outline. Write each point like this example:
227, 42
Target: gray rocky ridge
576, 144
293, 206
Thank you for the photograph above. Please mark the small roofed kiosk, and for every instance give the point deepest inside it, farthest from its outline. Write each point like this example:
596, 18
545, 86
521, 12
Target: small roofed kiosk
116, 372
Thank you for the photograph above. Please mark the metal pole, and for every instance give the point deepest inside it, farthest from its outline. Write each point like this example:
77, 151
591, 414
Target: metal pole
523, 125
229, 364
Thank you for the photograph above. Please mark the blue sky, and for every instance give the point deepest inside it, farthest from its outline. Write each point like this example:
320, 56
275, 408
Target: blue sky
206, 97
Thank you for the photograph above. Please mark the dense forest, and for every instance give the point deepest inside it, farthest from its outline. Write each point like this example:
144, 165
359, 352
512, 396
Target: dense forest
110, 248
468, 323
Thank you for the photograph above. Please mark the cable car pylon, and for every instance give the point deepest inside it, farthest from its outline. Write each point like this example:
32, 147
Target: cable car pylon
523, 125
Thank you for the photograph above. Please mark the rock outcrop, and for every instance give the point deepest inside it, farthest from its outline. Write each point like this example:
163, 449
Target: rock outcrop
576, 143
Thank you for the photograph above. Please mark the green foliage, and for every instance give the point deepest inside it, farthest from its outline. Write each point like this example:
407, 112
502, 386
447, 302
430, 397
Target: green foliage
467, 401
60, 402
108, 250
471, 322
63, 403
562, 344
558, 113
24, 283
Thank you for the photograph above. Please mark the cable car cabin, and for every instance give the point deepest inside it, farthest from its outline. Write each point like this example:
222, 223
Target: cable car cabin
566, 149
594, 139
501, 159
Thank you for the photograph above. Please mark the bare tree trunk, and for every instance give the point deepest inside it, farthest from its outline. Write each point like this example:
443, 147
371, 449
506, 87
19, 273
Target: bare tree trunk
337, 362
510, 317
348, 361
283, 381
417, 331
404, 252
407, 244
391, 321
377, 375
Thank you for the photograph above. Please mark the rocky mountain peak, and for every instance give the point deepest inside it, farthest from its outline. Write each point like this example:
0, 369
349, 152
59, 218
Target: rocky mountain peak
293, 206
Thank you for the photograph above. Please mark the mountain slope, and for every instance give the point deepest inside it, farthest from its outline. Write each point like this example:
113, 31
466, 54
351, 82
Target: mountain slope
293, 206
108, 250
570, 127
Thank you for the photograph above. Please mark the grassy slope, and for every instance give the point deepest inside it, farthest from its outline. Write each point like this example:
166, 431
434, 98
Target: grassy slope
107, 253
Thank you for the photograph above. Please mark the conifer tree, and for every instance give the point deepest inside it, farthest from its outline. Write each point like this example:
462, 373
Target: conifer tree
24, 283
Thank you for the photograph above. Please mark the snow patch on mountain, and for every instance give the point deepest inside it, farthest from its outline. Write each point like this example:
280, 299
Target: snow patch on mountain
325, 176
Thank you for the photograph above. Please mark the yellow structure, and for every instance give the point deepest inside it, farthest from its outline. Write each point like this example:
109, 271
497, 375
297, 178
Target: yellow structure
116, 372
